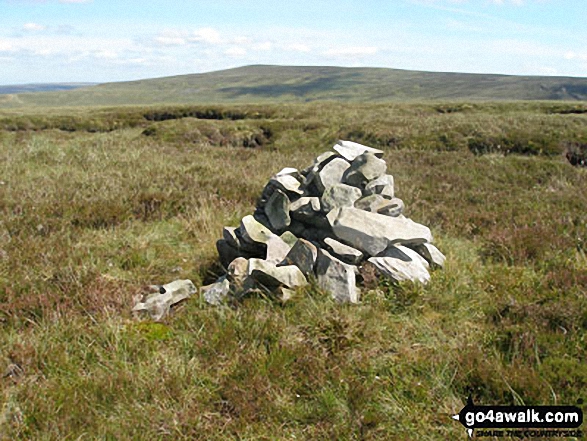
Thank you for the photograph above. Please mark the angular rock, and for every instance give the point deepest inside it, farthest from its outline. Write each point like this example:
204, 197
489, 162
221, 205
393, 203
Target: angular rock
229, 235
216, 293
254, 232
343, 252
337, 277
157, 304
377, 203
289, 238
303, 255
365, 168
382, 185
349, 150
271, 276
237, 271
339, 195
331, 174
289, 171
297, 228
372, 233
277, 210
226, 252
287, 183
305, 208
394, 207
401, 263
432, 254
277, 249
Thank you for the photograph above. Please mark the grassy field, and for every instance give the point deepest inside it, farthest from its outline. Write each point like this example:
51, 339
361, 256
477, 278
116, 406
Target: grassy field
99, 202
268, 84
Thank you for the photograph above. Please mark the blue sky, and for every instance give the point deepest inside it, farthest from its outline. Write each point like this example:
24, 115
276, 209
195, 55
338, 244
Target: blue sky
114, 40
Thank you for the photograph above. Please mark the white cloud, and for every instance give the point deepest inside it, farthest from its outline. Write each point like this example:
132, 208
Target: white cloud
205, 35
5, 46
35, 27
236, 52
298, 47
265, 46
356, 51
167, 40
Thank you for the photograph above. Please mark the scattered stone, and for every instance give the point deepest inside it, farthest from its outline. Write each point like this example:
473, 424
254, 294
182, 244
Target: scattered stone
216, 293
350, 150
157, 304
432, 254
372, 233
303, 255
343, 252
337, 277
237, 270
277, 210
339, 195
271, 276
401, 263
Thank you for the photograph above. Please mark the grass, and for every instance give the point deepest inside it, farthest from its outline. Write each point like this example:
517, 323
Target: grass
291, 84
97, 203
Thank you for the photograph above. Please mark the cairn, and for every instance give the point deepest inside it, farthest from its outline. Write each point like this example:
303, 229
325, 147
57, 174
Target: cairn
325, 222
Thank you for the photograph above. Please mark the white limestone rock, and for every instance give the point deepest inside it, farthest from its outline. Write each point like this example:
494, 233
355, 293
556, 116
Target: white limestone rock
432, 254
157, 304
372, 233
349, 150
401, 263
216, 293
271, 276
254, 232
343, 252
339, 195
383, 185
337, 277
331, 174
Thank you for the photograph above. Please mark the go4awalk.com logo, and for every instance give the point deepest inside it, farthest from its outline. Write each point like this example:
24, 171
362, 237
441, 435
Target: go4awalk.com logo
521, 421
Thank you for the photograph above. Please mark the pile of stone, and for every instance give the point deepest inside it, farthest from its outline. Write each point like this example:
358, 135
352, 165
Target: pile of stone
326, 222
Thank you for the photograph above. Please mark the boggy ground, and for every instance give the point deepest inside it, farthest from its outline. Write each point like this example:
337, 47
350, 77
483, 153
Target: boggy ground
97, 203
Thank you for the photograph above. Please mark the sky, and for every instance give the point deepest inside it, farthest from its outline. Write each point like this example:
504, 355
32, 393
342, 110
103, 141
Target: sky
45, 41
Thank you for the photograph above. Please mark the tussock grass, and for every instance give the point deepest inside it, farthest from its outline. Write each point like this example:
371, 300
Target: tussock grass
89, 218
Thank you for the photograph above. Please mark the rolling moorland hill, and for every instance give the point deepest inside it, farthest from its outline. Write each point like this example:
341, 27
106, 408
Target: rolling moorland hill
41, 87
260, 84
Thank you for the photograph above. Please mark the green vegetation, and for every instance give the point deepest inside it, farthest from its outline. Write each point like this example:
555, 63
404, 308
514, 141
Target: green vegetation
99, 202
267, 84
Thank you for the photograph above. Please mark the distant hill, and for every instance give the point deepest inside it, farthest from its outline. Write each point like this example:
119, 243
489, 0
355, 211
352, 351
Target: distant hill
259, 84
49, 87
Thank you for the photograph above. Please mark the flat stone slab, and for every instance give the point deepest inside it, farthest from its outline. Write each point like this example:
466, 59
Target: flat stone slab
372, 233
401, 263
253, 231
349, 150
303, 255
343, 252
337, 277
287, 183
158, 303
339, 195
269, 275
432, 254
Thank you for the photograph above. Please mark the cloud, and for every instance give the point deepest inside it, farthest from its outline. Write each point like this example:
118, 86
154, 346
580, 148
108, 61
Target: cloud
34, 27
5, 46
167, 40
265, 46
298, 47
205, 35
236, 52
